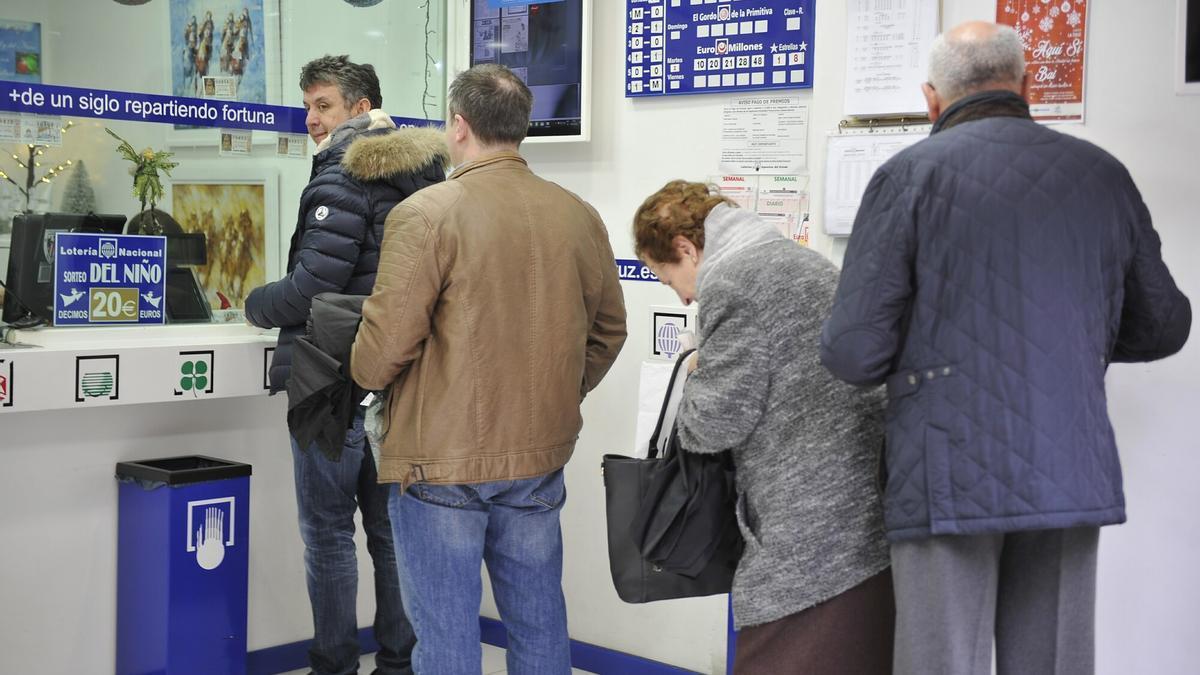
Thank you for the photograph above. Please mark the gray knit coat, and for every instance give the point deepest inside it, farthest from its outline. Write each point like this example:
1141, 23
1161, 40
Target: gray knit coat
805, 445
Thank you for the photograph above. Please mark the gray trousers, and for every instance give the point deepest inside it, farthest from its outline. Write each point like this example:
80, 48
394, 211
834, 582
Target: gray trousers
1034, 592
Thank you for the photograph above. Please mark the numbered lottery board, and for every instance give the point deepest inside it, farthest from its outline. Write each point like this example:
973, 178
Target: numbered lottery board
708, 46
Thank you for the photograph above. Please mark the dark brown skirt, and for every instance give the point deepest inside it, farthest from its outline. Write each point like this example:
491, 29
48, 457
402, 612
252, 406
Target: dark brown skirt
849, 634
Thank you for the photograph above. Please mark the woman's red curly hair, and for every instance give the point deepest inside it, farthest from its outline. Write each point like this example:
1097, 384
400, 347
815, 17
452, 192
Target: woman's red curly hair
677, 209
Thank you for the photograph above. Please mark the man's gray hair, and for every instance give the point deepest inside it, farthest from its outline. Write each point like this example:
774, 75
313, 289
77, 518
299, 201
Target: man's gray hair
494, 101
959, 67
354, 80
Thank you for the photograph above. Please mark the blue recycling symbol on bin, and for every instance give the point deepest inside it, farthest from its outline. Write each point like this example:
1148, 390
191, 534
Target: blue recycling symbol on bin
210, 530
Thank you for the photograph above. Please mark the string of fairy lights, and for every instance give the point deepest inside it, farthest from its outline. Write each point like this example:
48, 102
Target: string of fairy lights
32, 164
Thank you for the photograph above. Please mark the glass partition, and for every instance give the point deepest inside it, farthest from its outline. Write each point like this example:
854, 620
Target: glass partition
215, 83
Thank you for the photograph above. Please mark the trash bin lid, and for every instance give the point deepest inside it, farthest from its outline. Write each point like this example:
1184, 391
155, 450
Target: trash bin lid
182, 470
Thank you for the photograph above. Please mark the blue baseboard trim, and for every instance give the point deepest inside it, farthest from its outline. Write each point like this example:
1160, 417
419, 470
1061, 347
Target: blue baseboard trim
584, 656
588, 657
294, 655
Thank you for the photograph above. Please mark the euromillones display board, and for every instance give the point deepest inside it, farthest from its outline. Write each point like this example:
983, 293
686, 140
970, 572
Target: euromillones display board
706, 46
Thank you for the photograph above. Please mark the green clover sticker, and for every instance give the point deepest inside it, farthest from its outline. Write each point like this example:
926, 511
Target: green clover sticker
195, 376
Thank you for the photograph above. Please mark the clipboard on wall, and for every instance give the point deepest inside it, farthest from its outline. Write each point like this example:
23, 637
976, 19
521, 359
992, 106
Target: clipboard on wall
852, 155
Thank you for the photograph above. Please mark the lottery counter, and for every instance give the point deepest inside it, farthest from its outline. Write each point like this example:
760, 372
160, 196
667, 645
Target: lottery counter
74, 402
71, 368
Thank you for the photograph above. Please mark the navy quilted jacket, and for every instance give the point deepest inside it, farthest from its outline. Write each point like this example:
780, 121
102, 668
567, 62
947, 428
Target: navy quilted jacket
994, 271
355, 182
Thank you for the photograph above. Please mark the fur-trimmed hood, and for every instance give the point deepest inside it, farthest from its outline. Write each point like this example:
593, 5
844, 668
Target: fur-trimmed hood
403, 151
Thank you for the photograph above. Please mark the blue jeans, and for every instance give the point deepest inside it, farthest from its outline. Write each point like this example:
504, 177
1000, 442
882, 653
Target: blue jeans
327, 494
442, 534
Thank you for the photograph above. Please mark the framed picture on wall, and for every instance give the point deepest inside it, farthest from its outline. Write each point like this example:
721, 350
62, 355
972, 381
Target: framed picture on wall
226, 46
237, 209
20, 51
1055, 38
1187, 60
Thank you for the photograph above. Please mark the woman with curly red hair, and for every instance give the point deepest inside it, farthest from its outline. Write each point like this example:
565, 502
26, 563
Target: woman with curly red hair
813, 591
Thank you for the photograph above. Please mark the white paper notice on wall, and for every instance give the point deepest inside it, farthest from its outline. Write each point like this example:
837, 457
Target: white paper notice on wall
234, 143
220, 87
783, 202
743, 190
765, 135
31, 129
49, 130
887, 47
851, 160
10, 127
294, 146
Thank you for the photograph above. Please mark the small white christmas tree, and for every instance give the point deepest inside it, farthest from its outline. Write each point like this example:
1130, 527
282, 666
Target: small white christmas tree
78, 195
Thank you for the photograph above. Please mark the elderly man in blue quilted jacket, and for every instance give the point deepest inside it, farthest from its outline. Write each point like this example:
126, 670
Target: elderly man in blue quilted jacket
361, 168
994, 272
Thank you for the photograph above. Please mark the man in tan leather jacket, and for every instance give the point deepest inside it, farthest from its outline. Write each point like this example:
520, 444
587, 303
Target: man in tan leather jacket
496, 309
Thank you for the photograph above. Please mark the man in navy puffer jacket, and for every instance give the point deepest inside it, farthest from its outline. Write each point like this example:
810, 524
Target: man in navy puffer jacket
362, 167
995, 270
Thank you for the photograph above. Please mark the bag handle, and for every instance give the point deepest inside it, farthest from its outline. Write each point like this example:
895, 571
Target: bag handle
667, 402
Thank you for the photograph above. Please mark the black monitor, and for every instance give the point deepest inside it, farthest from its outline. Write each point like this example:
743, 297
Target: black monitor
188, 248
186, 302
98, 223
30, 275
546, 45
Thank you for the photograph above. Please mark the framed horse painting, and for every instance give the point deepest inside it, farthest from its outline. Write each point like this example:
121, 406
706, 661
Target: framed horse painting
226, 50
236, 207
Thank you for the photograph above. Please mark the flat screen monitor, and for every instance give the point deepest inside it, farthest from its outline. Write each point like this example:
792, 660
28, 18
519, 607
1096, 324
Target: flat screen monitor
189, 248
30, 274
185, 299
547, 44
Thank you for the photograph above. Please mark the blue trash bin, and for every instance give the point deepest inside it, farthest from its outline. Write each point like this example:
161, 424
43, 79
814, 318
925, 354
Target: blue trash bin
183, 539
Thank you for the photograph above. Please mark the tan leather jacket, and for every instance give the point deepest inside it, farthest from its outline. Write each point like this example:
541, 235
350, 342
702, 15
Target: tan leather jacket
496, 309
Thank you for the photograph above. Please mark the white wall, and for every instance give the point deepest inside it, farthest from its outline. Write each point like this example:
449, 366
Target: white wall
1148, 589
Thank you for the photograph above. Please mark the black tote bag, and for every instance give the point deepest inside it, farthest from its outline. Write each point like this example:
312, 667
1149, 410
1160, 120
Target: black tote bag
672, 531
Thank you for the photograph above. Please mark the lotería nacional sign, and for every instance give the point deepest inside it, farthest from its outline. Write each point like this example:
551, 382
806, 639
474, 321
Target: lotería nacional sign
104, 279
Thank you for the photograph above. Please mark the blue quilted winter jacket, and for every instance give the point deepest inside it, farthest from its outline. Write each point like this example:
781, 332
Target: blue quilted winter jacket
994, 271
368, 167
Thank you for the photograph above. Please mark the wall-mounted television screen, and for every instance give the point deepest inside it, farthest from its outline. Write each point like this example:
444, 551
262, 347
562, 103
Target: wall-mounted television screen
547, 44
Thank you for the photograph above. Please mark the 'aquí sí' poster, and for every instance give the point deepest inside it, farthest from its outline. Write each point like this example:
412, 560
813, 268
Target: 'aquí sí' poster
1054, 33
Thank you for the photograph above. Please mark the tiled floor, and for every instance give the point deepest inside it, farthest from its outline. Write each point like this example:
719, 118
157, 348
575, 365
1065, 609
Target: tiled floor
493, 664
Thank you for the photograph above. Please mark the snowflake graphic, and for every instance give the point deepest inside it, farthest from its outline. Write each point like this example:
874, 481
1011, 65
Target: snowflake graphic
1046, 24
1037, 9
1073, 19
1026, 37
1053, 11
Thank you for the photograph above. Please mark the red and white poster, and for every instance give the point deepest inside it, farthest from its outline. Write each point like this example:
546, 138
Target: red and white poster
1054, 33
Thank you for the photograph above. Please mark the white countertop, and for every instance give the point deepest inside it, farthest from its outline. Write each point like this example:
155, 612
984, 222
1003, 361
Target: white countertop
68, 368
101, 337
